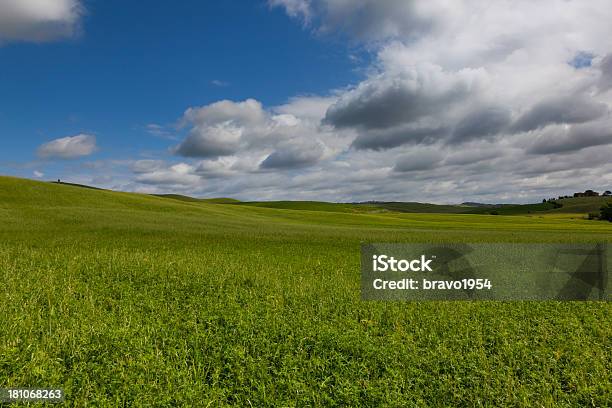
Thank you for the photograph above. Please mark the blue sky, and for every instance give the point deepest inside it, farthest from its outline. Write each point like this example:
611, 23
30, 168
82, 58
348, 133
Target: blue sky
310, 99
130, 67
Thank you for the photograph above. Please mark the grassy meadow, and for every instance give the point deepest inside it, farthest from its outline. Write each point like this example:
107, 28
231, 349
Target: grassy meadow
135, 300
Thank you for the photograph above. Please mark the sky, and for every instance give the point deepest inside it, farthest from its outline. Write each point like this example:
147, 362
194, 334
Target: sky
433, 101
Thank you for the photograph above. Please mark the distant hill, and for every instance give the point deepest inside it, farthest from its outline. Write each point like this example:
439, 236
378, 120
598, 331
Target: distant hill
412, 207
404, 207
314, 206
221, 200
571, 205
582, 205
511, 209
180, 197
471, 204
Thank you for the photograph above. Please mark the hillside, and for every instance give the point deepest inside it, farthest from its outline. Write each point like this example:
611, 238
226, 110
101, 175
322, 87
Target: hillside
583, 205
412, 207
367, 207
180, 197
312, 206
579, 205
123, 298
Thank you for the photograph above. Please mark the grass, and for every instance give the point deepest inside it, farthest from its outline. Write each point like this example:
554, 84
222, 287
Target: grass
574, 205
127, 299
374, 207
583, 205
180, 197
423, 208
313, 206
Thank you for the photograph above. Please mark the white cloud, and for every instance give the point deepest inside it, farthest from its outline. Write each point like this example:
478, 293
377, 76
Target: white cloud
38, 174
570, 139
251, 133
408, 96
177, 175
418, 160
219, 83
294, 8
160, 131
38, 20
311, 107
294, 155
363, 19
465, 101
70, 147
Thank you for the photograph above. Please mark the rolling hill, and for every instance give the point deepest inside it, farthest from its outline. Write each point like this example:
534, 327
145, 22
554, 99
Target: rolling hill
574, 205
126, 299
582, 205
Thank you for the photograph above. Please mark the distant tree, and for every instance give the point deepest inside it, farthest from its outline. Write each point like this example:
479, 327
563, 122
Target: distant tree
607, 193
606, 212
544, 200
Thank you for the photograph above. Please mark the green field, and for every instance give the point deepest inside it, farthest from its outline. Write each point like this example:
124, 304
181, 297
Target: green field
135, 300
581, 206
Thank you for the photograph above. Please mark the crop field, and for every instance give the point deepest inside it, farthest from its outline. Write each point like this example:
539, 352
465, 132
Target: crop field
135, 300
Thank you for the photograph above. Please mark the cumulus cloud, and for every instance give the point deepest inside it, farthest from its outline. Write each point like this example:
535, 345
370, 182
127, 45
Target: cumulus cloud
508, 101
471, 154
218, 129
294, 8
248, 112
293, 156
211, 141
571, 138
38, 20
382, 139
246, 130
605, 80
223, 167
575, 109
387, 100
147, 166
311, 107
362, 19
416, 160
482, 123
180, 174
70, 147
